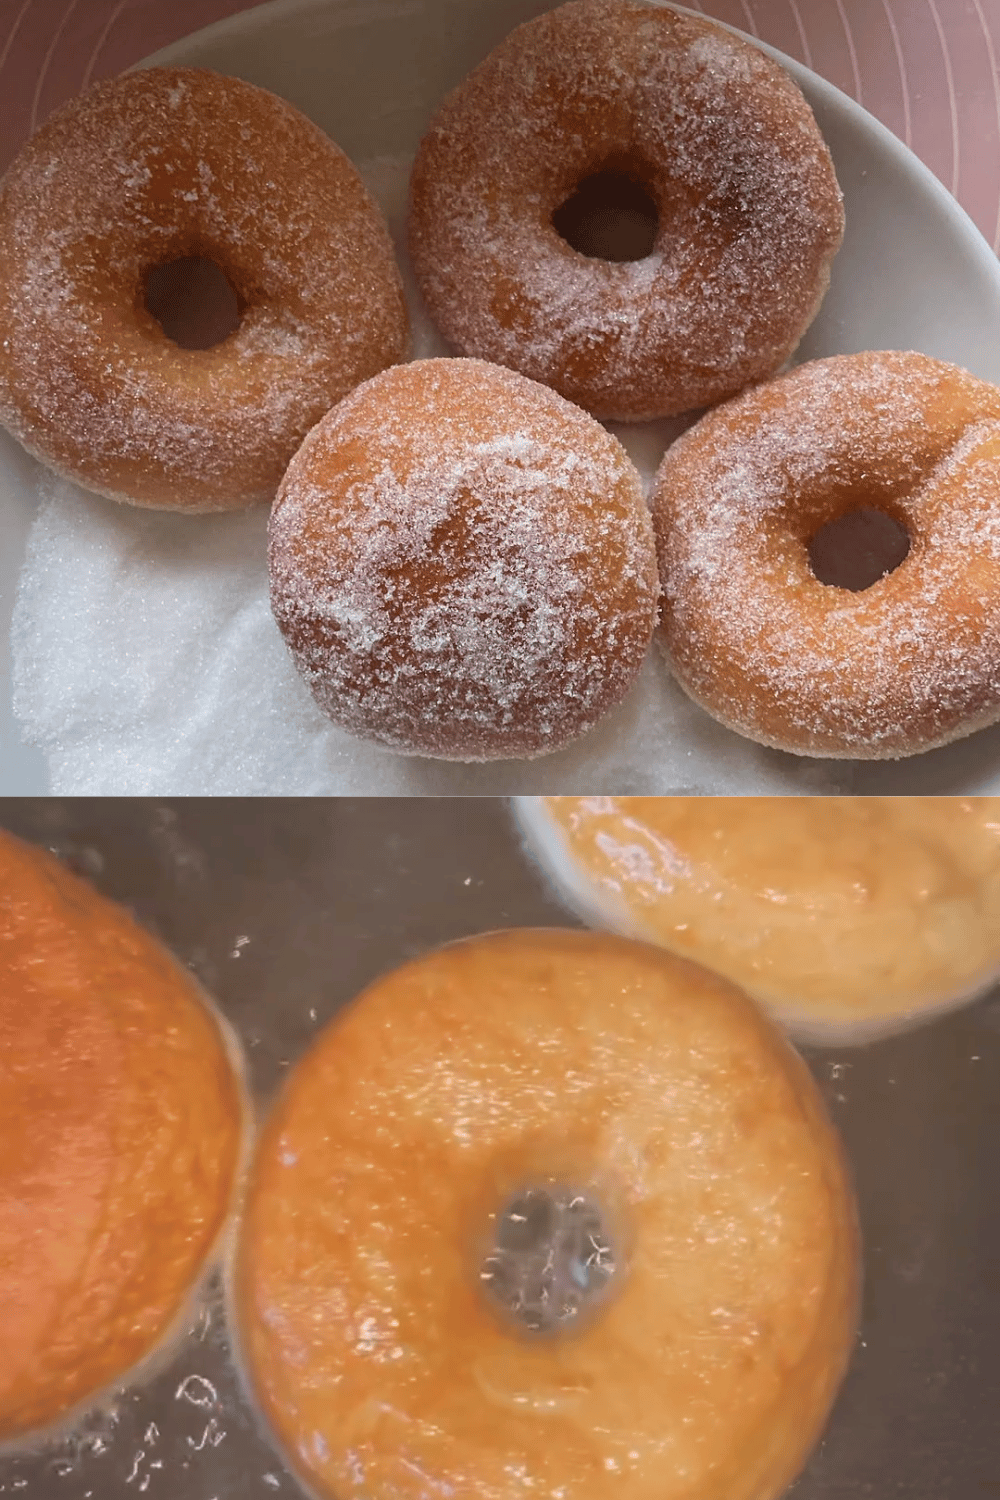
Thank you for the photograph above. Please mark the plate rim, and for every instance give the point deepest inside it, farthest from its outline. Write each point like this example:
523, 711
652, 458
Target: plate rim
263, 15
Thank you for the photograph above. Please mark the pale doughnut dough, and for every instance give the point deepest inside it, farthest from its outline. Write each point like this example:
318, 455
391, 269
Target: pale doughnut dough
530, 1059
848, 917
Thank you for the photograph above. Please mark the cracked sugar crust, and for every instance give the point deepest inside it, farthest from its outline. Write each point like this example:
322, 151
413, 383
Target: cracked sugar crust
909, 664
463, 564
145, 169
750, 211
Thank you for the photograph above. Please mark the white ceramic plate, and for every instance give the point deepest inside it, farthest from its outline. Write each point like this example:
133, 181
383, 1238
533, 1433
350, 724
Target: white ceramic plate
914, 273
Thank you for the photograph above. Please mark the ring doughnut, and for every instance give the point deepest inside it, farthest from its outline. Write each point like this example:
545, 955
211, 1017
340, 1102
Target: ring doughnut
548, 1213
718, 136
120, 1131
156, 167
847, 917
462, 564
752, 636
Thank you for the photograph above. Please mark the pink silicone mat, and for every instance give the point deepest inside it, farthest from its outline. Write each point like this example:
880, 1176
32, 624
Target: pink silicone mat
927, 68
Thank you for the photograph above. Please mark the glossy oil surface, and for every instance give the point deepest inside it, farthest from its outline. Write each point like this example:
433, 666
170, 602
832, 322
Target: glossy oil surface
311, 901
520, 1059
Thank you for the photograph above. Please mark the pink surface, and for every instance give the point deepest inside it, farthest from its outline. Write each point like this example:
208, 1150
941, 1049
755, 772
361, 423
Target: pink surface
930, 69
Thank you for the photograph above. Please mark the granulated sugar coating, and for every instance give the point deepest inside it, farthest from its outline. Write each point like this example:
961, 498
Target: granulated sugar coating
146, 661
910, 663
750, 212
463, 564
138, 172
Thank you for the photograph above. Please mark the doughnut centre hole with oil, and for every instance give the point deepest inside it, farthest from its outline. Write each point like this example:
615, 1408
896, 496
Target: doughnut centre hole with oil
609, 216
858, 548
552, 1260
193, 301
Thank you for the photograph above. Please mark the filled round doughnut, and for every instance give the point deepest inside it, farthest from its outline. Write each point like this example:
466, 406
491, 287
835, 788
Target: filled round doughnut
120, 1133
753, 636
146, 174
462, 564
548, 1213
601, 97
847, 917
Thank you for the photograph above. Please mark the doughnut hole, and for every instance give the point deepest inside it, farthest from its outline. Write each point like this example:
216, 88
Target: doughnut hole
610, 214
193, 301
856, 549
552, 1260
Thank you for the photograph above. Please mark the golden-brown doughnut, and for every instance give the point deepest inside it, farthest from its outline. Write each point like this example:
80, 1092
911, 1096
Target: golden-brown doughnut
462, 564
534, 1092
749, 212
120, 1130
846, 916
752, 635
155, 167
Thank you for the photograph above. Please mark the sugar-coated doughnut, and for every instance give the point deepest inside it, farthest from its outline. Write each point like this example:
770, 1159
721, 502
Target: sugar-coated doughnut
750, 215
848, 917
158, 166
752, 635
120, 1130
548, 1213
462, 564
